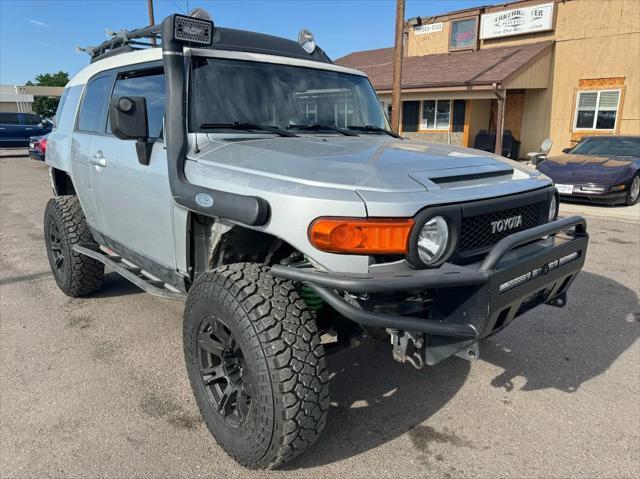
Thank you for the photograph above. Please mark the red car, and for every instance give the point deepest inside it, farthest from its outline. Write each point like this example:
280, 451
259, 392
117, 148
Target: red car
37, 147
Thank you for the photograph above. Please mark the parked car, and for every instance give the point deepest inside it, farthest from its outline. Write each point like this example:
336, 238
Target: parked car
38, 147
284, 211
17, 128
603, 169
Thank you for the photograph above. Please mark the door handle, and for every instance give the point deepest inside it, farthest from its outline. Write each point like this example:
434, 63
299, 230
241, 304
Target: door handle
98, 160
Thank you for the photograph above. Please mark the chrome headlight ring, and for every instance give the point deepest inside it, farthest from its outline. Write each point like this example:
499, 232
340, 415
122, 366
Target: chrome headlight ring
434, 237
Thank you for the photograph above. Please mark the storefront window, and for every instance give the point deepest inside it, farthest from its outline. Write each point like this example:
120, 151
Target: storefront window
463, 34
597, 110
436, 115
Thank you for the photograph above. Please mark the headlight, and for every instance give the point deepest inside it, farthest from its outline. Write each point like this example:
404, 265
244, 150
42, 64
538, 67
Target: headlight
553, 209
433, 240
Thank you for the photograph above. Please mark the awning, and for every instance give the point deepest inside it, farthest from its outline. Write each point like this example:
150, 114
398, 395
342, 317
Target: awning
521, 66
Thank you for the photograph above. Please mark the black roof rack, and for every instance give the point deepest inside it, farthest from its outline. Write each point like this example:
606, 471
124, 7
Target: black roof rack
223, 39
125, 41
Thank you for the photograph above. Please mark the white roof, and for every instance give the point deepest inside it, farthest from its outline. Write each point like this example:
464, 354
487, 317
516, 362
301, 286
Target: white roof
123, 59
154, 54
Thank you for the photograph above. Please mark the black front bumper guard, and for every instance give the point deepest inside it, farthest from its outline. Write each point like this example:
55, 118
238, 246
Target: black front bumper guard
469, 302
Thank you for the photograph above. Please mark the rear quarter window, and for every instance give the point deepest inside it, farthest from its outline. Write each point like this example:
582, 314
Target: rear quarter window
67, 108
92, 109
63, 99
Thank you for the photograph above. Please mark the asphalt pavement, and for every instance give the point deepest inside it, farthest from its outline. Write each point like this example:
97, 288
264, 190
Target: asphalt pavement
96, 387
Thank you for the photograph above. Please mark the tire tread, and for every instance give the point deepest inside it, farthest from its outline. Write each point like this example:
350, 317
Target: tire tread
290, 342
85, 274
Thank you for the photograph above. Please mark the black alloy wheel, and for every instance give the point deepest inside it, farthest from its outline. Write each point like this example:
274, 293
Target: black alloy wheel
57, 252
223, 372
256, 364
64, 227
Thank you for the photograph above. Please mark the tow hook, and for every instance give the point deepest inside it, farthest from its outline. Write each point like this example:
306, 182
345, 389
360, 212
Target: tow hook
470, 353
408, 347
559, 301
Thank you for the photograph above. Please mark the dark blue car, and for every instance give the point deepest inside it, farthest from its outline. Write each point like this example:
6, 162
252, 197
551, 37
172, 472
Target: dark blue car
604, 169
17, 128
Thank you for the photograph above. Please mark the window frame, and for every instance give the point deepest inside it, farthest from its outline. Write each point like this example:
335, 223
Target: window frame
17, 123
140, 70
597, 109
475, 31
63, 99
113, 73
421, 126
102, 123
24, 116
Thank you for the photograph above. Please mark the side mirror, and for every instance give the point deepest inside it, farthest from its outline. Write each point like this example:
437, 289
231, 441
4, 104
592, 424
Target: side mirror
566, 150
546, 146
128, 118
539, 158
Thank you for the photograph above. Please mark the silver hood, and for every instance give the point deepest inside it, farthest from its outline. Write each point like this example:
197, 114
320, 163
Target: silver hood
368, 163
308, 177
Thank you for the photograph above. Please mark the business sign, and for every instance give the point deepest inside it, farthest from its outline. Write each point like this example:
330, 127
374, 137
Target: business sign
518, 21
429, 28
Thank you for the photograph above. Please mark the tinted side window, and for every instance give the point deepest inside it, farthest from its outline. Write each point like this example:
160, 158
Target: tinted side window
93, 105
150, 85
9, 119
30, 119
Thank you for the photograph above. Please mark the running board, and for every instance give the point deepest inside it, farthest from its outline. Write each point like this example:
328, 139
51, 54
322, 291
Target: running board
133, 273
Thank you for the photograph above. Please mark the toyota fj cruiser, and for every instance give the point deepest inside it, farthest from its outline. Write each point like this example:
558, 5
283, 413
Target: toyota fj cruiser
257, 180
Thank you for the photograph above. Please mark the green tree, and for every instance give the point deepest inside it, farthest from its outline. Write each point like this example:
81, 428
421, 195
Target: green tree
42, 105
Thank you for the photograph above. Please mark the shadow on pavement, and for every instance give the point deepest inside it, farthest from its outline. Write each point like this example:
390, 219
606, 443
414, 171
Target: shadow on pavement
29, 278
563, 348
115, 285
375, 400
596, 204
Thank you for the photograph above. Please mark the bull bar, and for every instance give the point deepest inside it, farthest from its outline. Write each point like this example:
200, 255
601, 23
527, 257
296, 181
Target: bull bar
470, 302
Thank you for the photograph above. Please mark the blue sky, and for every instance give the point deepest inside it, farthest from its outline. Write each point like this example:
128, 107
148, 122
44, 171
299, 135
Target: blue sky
38, 36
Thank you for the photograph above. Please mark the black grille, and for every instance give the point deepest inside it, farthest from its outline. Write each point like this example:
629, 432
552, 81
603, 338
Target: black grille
476, 233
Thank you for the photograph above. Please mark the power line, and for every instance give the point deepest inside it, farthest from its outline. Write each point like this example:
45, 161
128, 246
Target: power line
177, 6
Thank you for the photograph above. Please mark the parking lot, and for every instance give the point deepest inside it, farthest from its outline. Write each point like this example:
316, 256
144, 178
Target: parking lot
96, 387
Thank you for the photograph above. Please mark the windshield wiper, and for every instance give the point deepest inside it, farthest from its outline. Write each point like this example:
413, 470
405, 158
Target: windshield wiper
319, 126
240, 125
373, 128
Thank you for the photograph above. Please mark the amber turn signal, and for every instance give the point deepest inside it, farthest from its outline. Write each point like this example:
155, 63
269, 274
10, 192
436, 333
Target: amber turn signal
361, 236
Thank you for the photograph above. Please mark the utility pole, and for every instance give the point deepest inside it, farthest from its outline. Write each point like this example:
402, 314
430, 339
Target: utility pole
152, 20
397, 67
501, 98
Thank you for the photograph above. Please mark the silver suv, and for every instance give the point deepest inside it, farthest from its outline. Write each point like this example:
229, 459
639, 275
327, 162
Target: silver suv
256, 180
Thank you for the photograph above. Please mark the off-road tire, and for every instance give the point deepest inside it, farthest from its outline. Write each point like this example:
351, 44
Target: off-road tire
282, 354
75, 274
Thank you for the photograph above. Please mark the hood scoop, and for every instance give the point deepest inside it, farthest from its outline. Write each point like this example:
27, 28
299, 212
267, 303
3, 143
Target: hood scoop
448, 176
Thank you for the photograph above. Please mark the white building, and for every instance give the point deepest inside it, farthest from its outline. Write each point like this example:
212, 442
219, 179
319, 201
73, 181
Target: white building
16, 98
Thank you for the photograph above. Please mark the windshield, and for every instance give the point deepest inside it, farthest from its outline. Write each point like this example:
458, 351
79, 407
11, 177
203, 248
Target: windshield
224, 92
608, 147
